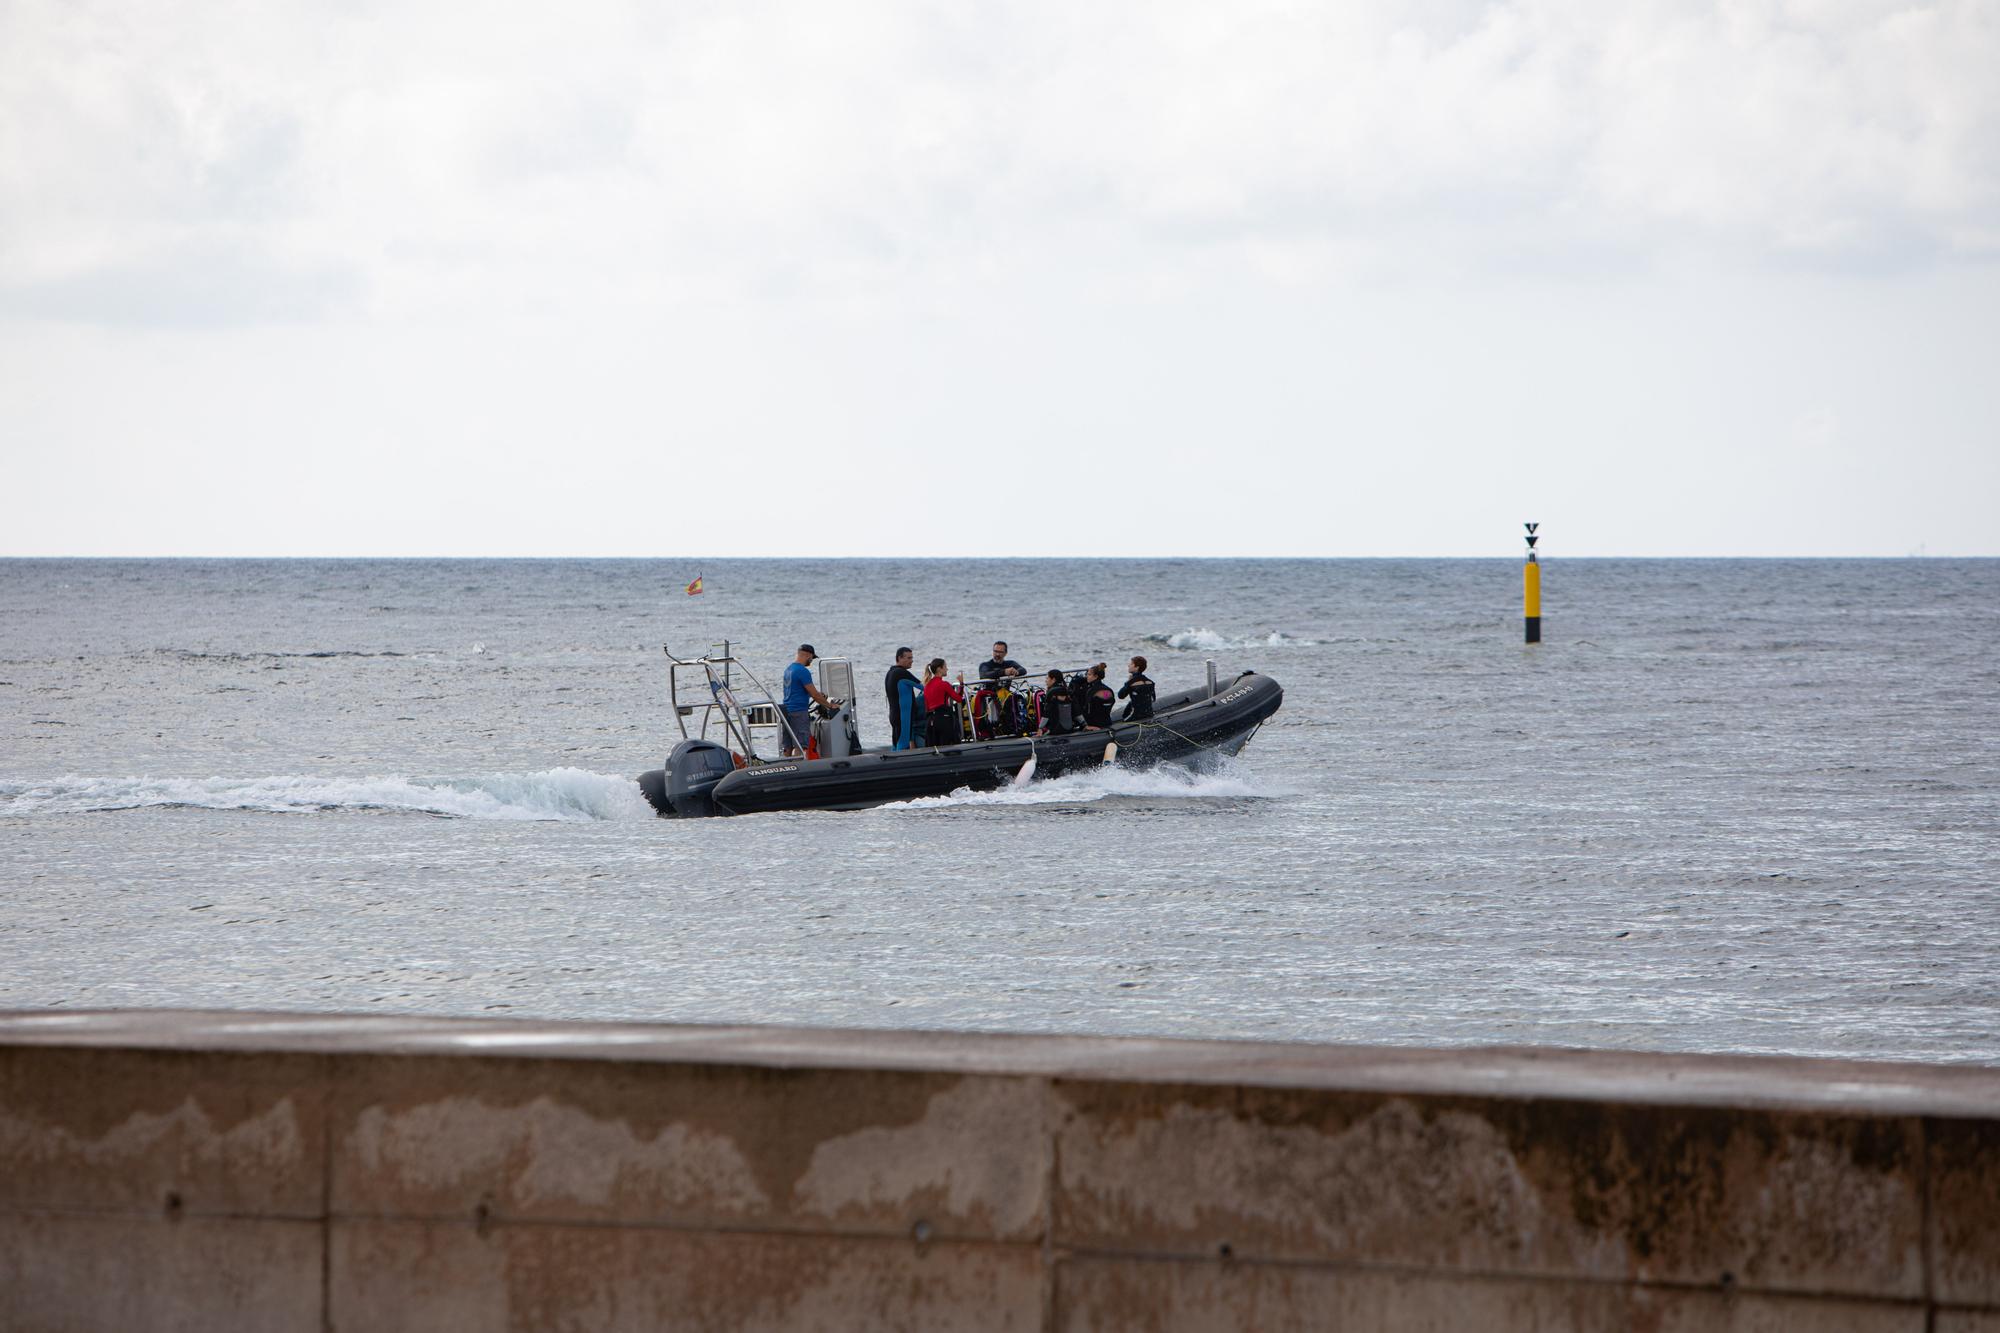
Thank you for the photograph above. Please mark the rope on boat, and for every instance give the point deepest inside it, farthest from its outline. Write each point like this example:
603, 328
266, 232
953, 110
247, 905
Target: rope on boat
1154, 722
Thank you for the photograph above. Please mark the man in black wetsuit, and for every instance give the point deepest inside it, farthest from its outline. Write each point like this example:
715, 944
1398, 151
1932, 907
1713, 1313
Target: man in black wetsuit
995, 674
906, 706
999, 664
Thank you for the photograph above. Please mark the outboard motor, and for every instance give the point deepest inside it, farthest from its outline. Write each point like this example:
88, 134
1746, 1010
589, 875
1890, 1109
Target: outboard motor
692, 771
653, 784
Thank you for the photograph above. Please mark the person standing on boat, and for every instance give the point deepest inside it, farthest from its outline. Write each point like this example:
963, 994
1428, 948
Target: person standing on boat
1098, 700
1139, 689
906, 701
941, 700
800, 695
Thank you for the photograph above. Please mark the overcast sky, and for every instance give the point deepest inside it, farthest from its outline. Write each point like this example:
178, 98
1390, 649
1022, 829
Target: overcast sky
1028, 279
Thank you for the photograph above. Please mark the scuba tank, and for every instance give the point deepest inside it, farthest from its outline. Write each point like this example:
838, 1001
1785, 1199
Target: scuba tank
1008, 701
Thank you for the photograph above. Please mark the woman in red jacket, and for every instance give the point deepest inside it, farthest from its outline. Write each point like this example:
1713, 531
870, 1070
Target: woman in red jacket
941, 700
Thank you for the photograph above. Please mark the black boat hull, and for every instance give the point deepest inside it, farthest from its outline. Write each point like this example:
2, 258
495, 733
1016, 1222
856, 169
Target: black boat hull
1187, 728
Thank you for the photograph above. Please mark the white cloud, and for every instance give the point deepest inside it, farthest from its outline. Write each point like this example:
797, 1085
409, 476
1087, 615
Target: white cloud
1381, 244
730, 148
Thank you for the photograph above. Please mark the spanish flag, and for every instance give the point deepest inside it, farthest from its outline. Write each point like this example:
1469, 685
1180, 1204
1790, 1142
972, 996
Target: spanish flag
694, 589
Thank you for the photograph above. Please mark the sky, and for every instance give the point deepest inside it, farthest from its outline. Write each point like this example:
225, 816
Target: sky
1161, 278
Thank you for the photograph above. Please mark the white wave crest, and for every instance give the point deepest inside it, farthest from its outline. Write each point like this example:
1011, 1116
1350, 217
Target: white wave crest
1207, 640
555, 794
1166, 781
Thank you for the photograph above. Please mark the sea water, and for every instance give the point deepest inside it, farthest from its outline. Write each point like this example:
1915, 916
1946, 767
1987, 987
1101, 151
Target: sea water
1724, 806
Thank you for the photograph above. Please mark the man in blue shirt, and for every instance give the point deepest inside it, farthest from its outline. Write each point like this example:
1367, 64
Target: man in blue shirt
800, 695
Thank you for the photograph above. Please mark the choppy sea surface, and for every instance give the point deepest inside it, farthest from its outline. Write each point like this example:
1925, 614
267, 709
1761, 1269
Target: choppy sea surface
1725, 806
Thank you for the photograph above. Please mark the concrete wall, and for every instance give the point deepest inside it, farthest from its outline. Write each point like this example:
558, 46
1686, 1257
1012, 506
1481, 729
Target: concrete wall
276, 1172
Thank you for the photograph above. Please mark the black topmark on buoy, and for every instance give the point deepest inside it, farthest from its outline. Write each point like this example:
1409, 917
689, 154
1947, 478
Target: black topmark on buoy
1531, 589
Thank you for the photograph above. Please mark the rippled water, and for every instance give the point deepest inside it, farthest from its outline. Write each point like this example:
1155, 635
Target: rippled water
1728, 805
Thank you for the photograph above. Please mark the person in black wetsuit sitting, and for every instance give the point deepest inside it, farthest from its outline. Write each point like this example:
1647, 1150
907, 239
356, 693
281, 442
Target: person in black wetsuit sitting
1058, 713
1139, 689
1098, 700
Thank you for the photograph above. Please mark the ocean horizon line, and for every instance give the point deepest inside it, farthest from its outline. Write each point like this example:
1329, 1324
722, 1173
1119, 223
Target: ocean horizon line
1547, 557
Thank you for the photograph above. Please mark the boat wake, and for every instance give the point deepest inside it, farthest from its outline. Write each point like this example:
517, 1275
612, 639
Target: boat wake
1207, 640
569, 794
1106, 784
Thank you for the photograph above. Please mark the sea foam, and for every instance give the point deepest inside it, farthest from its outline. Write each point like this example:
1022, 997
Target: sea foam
1166, 781
570, 794
1207, 640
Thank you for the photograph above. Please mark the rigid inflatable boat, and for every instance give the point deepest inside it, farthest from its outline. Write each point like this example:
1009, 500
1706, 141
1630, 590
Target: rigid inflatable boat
717, 770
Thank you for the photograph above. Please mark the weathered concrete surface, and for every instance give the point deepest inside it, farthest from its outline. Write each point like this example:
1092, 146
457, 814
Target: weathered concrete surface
229, 1134
247, 1171
1778, 1201
711, 1147
1134, 1296
424, 1276
105, 1271
1965, 1210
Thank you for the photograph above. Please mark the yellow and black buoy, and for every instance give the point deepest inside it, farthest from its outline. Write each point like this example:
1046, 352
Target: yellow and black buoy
1531, 589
